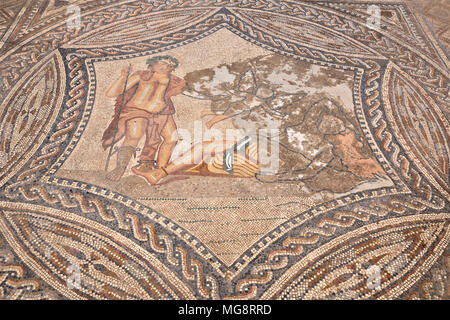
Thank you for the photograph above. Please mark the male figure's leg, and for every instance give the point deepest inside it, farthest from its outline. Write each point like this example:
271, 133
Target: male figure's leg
199, 152
147, 159
135, 128
170, 136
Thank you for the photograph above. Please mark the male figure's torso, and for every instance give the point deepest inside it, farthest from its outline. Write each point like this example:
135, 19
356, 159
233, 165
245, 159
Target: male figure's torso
149, 95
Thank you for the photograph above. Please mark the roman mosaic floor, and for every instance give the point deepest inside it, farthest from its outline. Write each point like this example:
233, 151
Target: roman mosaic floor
224, 149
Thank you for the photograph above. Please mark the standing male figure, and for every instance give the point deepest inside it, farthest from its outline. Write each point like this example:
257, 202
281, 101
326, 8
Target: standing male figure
147, 110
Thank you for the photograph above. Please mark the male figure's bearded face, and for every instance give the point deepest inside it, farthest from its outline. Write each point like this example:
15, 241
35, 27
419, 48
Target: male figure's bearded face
163, 66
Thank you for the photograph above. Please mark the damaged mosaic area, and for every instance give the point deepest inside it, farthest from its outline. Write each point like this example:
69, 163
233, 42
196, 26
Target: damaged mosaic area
224, 150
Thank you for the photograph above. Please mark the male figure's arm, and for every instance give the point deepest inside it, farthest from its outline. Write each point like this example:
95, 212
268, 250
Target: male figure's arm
233, 109
117, 87
217, 118
177, 85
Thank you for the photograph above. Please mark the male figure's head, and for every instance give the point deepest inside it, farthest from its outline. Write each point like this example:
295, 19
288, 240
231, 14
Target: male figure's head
162, 64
